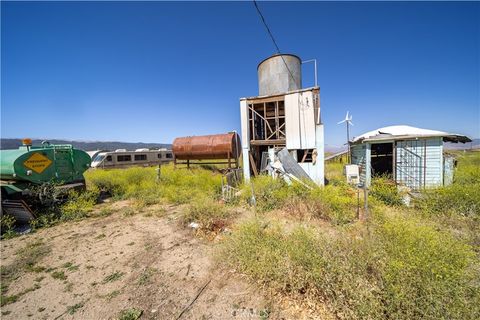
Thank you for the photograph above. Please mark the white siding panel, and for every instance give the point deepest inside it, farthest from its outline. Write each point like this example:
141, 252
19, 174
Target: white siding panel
428, 169
320, 164
307, 120
245, 124
292, 122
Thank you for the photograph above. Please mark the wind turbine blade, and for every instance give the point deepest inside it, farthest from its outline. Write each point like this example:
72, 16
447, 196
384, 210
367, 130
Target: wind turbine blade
351, 123
341, 122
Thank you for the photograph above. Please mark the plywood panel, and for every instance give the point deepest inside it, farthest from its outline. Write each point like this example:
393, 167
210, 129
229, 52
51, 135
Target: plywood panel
307, 120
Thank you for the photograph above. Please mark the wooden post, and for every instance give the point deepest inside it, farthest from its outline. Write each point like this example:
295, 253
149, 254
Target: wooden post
254, 166
159, 172
365, 195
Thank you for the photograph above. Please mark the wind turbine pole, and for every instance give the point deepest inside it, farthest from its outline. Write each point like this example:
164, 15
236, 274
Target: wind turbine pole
348, 142
348, 122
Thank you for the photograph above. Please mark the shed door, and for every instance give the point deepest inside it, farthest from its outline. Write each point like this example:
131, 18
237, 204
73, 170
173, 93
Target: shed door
410, 163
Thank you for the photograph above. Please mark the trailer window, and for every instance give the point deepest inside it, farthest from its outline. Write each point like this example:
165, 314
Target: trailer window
109, 158
98, 158
160, 156
169, 155
124, 158
140, 157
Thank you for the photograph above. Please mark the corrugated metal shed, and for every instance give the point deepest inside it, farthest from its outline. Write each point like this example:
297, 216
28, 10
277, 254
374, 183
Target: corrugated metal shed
412, 156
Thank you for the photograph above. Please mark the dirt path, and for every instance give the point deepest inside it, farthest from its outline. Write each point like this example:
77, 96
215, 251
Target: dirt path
95, 268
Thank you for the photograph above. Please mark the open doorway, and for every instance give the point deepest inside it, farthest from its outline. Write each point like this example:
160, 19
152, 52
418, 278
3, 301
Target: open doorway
382, 159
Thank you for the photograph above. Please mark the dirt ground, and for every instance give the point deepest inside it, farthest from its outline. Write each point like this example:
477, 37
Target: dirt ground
98, 267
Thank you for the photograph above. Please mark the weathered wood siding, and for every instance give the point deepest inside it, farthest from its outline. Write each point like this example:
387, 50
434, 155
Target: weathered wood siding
300, 121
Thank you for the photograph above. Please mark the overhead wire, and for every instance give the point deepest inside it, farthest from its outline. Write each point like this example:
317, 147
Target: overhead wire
262, 18
273, 38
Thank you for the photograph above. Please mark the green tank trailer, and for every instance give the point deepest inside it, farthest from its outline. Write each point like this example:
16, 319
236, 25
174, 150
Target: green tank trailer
29, 165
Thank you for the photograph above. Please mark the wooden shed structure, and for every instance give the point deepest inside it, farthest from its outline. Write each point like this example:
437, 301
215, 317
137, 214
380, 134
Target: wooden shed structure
413, 157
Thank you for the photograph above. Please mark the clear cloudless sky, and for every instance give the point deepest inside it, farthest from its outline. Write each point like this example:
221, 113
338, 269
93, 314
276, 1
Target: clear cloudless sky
152, 71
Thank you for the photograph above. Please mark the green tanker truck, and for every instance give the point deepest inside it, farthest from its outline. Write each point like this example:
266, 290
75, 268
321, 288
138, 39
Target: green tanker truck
29, 166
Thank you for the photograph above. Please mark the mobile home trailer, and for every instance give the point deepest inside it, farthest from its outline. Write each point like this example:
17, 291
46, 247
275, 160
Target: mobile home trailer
122, 158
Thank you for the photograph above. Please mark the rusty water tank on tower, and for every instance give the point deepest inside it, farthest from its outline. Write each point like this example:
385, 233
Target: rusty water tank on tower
215, 146
279, 74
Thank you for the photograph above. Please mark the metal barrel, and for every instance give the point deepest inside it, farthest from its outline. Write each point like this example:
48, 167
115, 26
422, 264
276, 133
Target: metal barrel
215, 146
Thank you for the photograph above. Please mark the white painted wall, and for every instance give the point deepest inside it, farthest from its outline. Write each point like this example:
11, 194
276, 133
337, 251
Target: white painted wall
300, 121
245, 139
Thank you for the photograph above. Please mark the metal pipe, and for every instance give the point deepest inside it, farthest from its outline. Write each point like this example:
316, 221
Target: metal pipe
315, 66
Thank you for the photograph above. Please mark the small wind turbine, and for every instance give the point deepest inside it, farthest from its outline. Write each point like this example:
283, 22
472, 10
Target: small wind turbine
348, 122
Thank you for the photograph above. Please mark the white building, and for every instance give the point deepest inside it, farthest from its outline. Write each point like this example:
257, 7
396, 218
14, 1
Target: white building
283, 115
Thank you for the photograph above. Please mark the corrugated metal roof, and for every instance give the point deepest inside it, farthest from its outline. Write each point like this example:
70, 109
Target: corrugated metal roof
407, 132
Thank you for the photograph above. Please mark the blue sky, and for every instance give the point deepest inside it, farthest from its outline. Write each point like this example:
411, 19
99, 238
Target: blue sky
153, 71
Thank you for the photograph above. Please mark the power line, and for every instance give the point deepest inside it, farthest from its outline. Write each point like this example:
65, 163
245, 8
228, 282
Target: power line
272, 37
266, 26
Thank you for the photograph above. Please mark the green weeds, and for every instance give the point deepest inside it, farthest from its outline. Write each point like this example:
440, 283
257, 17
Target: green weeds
401, 269
462, 198
333, 203
175, 186
72, 309
130, 314
25, 260
146, 276
385, 190
70, 206
7, 223
112, 295
70, 266
211, 215
60, 275
7, 299
113, 277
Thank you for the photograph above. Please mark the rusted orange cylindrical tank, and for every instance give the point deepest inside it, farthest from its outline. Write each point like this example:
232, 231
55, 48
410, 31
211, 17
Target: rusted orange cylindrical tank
215, 146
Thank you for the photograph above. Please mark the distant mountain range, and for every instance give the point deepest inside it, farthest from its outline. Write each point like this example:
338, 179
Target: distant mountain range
88, 145
475, 144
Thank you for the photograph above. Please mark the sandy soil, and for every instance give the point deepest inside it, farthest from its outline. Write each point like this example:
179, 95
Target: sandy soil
146, 261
